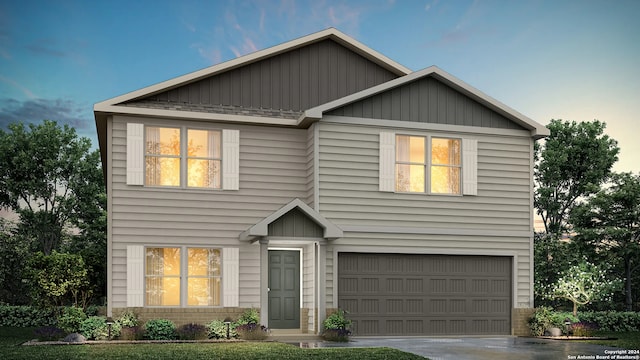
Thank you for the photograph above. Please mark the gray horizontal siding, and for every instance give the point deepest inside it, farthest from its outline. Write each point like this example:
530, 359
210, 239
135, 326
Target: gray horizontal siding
349, 185
426, 100
295, 80
273, 171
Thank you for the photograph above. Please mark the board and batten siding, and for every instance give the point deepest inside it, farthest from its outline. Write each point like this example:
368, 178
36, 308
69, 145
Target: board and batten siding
297, 80
273, 171
426, 100
350, 198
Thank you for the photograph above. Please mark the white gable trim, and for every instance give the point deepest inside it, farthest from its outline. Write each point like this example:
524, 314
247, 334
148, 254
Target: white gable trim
261, 228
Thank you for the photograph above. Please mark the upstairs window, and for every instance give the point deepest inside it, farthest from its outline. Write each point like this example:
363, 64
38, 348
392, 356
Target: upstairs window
203, 159
427, 164
162, 157
445, 166
178, 156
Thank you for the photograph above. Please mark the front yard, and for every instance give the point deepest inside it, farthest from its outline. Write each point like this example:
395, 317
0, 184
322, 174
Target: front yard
11, 338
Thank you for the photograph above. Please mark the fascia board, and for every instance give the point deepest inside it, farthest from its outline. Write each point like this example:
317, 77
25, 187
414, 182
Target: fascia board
258, 55
193, 115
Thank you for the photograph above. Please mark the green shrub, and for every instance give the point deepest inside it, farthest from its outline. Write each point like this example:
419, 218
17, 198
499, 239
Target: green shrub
336, 327
613, 321
128, 319
160, 329
249, 316
71, 319
96, 328
541, 320
217, 329
192, 332
27, 316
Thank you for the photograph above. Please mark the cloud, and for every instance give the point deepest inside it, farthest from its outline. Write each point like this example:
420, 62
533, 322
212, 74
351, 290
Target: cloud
64, 112
15, 84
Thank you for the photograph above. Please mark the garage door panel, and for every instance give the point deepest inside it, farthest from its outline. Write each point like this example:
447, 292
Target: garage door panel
401, 294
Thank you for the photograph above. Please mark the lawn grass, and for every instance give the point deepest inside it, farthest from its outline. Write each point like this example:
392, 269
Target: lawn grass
11, 338
626, 340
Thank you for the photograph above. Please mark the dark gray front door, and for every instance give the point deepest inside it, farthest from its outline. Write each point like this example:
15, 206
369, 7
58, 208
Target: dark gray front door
284, 289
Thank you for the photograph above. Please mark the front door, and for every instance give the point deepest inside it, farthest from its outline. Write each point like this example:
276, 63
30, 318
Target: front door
284, 289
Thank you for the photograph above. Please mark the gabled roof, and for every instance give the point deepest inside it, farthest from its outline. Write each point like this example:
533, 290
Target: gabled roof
537, 130
116, 105
261, 228
331, 33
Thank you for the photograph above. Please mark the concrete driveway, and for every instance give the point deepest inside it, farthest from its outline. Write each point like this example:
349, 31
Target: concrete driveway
490, 348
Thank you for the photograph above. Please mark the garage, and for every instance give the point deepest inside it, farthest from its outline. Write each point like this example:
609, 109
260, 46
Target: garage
414, 294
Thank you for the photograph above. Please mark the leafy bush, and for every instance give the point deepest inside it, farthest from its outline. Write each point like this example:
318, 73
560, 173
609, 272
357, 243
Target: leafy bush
252, 332
610, 321
541, 320
96, 328
217, 329
27, 316
192, 332
249, 316
128, 319
336, 327
55, 276
613, 321
48, 333
160, 329
71, 319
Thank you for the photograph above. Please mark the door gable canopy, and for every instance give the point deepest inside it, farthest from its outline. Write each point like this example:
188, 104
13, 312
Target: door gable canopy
261, 229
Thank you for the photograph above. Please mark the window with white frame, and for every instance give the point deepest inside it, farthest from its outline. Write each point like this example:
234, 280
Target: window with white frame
178, 156
428, 164
166, 268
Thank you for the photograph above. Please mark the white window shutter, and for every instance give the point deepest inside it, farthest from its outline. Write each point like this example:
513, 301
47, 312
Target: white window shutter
135, 154
230, 277
135, 276
387, 176
230, 159
469, 167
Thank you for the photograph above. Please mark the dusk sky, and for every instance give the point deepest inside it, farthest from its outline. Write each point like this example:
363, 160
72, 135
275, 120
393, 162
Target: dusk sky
573, 60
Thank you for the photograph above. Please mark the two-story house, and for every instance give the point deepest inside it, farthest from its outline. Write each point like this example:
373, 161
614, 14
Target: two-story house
314, 175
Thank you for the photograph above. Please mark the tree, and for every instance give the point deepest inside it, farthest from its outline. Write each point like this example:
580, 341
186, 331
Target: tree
14, 252
571, 164
609, 224
56, 276
584, 283
48, 176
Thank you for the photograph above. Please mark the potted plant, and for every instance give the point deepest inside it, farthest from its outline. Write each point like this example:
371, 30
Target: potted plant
336, 327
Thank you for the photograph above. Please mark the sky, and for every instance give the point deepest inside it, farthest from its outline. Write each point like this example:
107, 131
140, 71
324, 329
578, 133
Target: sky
560, 59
